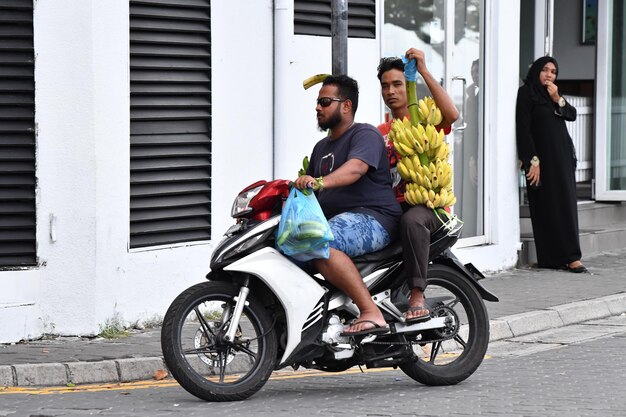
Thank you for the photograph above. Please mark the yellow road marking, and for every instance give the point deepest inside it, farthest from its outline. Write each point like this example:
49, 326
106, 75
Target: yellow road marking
124, 386
127, 386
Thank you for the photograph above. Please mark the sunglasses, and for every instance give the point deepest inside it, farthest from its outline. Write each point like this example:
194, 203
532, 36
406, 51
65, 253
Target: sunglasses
325, 101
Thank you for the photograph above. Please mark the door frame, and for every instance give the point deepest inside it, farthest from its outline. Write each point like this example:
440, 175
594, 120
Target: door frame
602, 115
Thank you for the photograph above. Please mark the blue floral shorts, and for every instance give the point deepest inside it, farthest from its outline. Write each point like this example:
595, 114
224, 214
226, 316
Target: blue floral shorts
357, 234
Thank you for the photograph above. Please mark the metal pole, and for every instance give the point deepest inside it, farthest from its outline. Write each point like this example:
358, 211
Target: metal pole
339, 35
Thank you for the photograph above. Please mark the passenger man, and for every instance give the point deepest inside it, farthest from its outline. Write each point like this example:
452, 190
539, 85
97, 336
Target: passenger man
417, 222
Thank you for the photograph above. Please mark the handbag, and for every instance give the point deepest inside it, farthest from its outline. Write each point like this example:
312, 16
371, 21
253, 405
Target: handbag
303, 232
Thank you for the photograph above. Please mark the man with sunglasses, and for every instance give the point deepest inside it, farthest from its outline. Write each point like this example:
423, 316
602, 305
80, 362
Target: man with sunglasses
417, 222
350, 170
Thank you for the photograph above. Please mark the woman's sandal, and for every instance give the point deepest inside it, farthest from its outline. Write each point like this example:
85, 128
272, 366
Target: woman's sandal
577, 270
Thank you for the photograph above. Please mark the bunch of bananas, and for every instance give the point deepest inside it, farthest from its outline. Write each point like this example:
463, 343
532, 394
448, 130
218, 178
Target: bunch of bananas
424, 159
428, 111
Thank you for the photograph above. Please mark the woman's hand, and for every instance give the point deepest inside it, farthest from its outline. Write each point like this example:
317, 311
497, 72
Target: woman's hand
533, 175
553, 91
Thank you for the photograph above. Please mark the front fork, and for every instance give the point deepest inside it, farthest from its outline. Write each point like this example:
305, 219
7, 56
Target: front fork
240, 303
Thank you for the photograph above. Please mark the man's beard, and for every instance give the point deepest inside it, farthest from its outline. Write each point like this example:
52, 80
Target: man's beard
334, 120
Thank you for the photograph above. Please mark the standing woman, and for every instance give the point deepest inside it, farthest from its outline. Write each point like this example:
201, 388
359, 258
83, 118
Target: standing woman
548, 157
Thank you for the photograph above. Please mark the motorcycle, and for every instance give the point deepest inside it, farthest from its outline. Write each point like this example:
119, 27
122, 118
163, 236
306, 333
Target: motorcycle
260, 311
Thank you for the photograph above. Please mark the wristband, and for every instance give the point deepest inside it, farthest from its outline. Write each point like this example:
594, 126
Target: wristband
534, 161
320, 182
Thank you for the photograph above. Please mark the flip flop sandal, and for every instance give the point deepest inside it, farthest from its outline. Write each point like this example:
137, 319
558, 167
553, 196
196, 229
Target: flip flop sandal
419, 319
377, 329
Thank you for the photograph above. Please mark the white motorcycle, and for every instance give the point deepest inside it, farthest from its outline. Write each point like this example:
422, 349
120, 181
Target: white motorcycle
260, 311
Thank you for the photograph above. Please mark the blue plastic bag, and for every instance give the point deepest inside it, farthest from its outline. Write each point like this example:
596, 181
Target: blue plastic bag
303, 232
410, 69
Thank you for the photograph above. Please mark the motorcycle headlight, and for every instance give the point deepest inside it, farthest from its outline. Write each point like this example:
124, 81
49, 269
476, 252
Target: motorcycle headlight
241, 205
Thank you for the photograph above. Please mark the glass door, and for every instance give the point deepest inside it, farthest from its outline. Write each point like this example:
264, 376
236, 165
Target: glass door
450, 33
611, 102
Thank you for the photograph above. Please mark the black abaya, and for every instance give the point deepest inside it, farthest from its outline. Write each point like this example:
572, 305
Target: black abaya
541, 131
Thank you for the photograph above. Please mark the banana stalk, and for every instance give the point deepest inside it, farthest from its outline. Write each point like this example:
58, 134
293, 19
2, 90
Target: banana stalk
411, 98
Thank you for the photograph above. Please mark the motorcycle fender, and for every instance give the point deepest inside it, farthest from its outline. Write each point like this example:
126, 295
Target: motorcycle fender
453, 262
296, 290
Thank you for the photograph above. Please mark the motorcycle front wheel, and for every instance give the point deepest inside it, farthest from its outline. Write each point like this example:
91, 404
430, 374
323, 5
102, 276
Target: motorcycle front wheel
199, 357
453, 353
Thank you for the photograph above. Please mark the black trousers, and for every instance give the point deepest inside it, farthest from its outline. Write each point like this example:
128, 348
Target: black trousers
416, 225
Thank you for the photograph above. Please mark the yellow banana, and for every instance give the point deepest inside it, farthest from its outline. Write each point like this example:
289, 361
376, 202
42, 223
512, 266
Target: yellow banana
408, 151
416, 197
451, 201
423, 108
437, 200
408, 163
431, 115
442, 152
444, 195
435, 181
416, 163
408, 198
432, 170
404, 173
438, 117
446, 180
407, 138
398, 149
315, 79
427, 183
419, 178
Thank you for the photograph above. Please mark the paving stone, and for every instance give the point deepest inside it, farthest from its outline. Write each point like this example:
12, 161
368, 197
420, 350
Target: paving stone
582, 311
616, 303
534, 321
92, 372
6, 376
139, 368
41, 374
499, 329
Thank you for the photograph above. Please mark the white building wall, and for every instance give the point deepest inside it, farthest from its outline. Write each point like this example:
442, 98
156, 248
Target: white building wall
86, 272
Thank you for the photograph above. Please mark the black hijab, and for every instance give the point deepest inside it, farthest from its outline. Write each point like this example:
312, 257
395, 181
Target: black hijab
538, 92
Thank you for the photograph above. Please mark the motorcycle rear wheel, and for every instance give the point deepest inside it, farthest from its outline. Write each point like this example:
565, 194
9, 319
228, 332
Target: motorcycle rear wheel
196, 353
454, 360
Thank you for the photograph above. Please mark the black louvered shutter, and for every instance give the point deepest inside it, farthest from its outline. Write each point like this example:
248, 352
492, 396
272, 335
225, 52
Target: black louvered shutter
17, 135
170, 126
313, 17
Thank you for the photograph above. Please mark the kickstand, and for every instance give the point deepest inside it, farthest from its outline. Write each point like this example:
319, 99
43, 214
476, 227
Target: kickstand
361, 368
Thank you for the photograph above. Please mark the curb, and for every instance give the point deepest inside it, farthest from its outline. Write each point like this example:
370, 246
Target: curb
136, 369
557, 316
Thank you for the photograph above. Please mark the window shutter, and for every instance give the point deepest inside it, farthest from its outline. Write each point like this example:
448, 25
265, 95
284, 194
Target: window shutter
313, 17
170, 126
17, 135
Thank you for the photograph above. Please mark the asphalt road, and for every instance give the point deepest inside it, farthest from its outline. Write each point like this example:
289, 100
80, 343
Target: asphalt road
572, 371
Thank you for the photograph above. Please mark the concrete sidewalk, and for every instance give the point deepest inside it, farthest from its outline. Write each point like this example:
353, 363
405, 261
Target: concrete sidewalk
531, 300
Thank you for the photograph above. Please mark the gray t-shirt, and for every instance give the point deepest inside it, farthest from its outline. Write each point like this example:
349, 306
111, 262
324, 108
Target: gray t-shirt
372, 193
